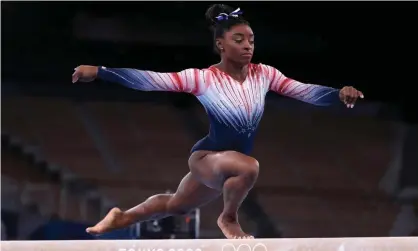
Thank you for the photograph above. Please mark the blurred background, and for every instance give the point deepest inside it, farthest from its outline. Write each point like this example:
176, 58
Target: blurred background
70, 152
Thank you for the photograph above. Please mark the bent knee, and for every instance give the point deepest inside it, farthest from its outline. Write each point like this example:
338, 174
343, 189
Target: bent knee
244, 165
251, 170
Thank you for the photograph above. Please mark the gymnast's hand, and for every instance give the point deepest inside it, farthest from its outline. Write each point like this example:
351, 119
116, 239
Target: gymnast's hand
85, 73
349, 96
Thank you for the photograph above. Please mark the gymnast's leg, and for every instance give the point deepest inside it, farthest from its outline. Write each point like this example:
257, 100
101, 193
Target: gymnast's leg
189, 195
233, 173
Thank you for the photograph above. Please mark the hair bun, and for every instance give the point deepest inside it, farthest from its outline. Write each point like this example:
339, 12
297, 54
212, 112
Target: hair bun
214, 10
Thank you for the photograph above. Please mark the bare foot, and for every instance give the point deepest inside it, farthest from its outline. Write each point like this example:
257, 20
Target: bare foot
114, 219
231, 228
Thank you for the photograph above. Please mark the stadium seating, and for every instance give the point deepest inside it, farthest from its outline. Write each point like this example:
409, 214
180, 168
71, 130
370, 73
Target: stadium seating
319, 172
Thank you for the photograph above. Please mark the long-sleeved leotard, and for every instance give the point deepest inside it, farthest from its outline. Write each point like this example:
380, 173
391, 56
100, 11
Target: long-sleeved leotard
234, 109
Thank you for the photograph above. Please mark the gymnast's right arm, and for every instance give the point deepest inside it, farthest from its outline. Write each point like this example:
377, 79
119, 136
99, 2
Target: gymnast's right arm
189, 80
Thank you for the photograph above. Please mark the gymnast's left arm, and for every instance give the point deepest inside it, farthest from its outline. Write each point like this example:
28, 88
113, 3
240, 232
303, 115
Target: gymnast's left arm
310, 93
189, 80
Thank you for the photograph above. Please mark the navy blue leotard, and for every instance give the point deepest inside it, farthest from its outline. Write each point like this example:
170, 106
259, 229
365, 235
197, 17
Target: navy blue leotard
234, 109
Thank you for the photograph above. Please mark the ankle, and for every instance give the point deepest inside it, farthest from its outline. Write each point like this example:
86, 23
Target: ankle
230, 217
120, 217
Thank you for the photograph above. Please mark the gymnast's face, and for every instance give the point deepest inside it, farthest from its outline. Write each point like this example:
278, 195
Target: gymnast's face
237, 44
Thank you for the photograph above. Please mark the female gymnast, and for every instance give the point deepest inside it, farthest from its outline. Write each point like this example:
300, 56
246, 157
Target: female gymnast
232, 93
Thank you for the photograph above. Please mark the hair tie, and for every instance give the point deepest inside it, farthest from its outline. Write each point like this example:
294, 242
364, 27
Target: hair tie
224, 16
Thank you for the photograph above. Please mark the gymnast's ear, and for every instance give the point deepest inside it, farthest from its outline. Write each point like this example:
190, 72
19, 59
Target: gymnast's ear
219, 44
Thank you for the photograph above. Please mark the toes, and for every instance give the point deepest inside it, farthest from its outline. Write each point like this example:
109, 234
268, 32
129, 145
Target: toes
90, 230
243, 237
93, 230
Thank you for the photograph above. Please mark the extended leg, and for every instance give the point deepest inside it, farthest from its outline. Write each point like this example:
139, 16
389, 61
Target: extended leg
189, 195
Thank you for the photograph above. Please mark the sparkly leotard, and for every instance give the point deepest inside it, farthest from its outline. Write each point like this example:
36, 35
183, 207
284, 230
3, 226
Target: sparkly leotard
234, 109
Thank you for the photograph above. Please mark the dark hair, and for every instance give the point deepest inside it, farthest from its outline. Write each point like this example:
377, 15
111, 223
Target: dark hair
219, 27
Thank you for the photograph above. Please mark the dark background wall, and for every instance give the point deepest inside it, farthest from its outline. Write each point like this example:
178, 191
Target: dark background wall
337, 43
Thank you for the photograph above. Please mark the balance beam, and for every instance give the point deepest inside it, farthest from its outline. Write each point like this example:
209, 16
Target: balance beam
297, 244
